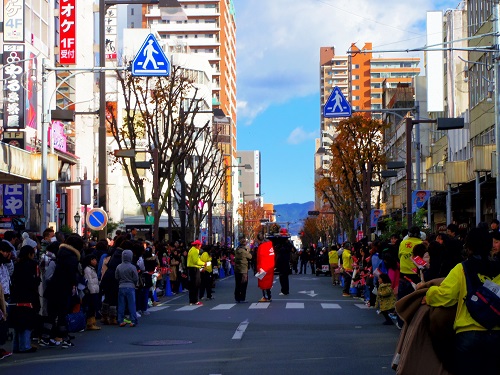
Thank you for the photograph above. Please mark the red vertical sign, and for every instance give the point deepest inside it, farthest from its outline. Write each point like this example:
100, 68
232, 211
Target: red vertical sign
67, 32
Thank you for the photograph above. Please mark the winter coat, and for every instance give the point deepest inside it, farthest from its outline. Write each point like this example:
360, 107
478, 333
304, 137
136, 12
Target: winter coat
242, 257
24, 289
90, 275
174, 266
65, 275
6, 270
282, 259
126, 272
426, 335
385, 297
109, 283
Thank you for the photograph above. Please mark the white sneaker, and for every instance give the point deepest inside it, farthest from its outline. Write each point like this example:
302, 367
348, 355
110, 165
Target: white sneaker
138, 314
146, 313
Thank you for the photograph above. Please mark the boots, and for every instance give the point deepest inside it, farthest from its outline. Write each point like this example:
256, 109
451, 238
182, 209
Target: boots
113, 315
105, 314
91, 326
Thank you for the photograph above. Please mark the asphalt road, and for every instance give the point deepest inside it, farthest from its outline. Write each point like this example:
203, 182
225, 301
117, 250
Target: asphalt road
313, 330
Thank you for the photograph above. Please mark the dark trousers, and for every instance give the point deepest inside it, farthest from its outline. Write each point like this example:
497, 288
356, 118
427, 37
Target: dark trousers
206, 284
194, 281
303, 266
347, 282
476, 352
240, 289
285, 285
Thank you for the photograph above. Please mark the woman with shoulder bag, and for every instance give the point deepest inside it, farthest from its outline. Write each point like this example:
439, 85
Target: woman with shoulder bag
475, 347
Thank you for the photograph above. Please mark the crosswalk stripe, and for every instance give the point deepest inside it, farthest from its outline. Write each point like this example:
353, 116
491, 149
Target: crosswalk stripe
330, 305
294, 305
157, 308
259, 305
361, 306
188, 308
223, 306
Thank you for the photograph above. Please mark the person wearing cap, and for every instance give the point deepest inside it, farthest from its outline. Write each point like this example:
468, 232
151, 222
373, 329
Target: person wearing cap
194, 264
242, 257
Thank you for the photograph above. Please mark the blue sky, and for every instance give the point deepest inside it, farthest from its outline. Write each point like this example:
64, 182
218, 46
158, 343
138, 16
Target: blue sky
278, 44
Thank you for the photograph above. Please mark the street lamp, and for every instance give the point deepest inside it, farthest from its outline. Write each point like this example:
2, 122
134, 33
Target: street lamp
77, 221
62, 215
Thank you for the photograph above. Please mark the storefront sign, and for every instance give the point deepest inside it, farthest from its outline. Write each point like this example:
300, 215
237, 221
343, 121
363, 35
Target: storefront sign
13, 105
67, 32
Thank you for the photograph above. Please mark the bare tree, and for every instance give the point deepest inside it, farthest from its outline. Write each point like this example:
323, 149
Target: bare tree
153, 114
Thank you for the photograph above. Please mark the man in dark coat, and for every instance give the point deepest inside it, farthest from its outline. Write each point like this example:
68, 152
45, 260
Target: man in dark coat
283, 250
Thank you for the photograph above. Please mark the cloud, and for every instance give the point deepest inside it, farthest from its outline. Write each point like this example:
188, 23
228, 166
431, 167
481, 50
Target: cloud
278, 41
299, 135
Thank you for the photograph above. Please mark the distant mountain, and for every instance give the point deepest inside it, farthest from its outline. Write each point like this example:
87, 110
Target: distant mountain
294, 214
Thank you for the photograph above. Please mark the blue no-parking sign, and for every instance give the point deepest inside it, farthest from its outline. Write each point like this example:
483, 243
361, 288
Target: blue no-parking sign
97, 219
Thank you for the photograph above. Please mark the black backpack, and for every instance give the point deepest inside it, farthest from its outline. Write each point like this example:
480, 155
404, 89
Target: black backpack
482, 300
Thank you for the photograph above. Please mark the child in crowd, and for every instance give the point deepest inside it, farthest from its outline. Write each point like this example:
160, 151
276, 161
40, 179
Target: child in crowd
385, 298
91, 298
127, 276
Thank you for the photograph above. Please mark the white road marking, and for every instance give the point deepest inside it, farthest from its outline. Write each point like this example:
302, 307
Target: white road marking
223, 306
294, 305
157, 308
330, 305
361, 305
240, 330
259, 305
188, 308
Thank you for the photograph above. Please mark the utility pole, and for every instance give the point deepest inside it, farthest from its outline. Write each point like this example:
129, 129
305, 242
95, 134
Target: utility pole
496, 57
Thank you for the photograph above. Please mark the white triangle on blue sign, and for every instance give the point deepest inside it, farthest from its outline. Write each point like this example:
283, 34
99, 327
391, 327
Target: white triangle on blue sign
337, 105
151, 60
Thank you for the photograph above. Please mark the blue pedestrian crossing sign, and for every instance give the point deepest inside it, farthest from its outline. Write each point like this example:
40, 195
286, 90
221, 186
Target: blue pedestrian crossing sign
151, 60
337, 105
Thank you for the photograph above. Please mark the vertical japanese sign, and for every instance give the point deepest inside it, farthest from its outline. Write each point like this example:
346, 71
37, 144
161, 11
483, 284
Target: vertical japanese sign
67, 32
110, 31
57, 132
13, 20
13, 200
31, 94
13, 105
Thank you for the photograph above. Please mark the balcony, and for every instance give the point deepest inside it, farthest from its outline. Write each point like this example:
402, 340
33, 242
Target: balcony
435, 181
481, 161
456, 172
393, 202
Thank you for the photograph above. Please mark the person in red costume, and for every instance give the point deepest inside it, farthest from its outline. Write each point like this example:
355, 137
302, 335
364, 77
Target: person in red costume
265, 262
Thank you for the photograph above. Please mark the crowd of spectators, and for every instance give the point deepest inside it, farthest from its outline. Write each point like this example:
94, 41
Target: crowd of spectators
47, 280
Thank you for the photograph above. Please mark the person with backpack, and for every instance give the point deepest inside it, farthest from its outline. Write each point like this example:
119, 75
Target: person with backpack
475, 346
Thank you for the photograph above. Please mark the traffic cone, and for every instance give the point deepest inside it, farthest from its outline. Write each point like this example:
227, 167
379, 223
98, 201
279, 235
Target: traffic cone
168, 293
221, 272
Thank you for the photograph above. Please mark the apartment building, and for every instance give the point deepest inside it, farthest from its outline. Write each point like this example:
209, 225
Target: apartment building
210, 30
362, 80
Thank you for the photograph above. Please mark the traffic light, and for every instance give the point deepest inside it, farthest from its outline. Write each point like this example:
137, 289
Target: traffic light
313, 213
